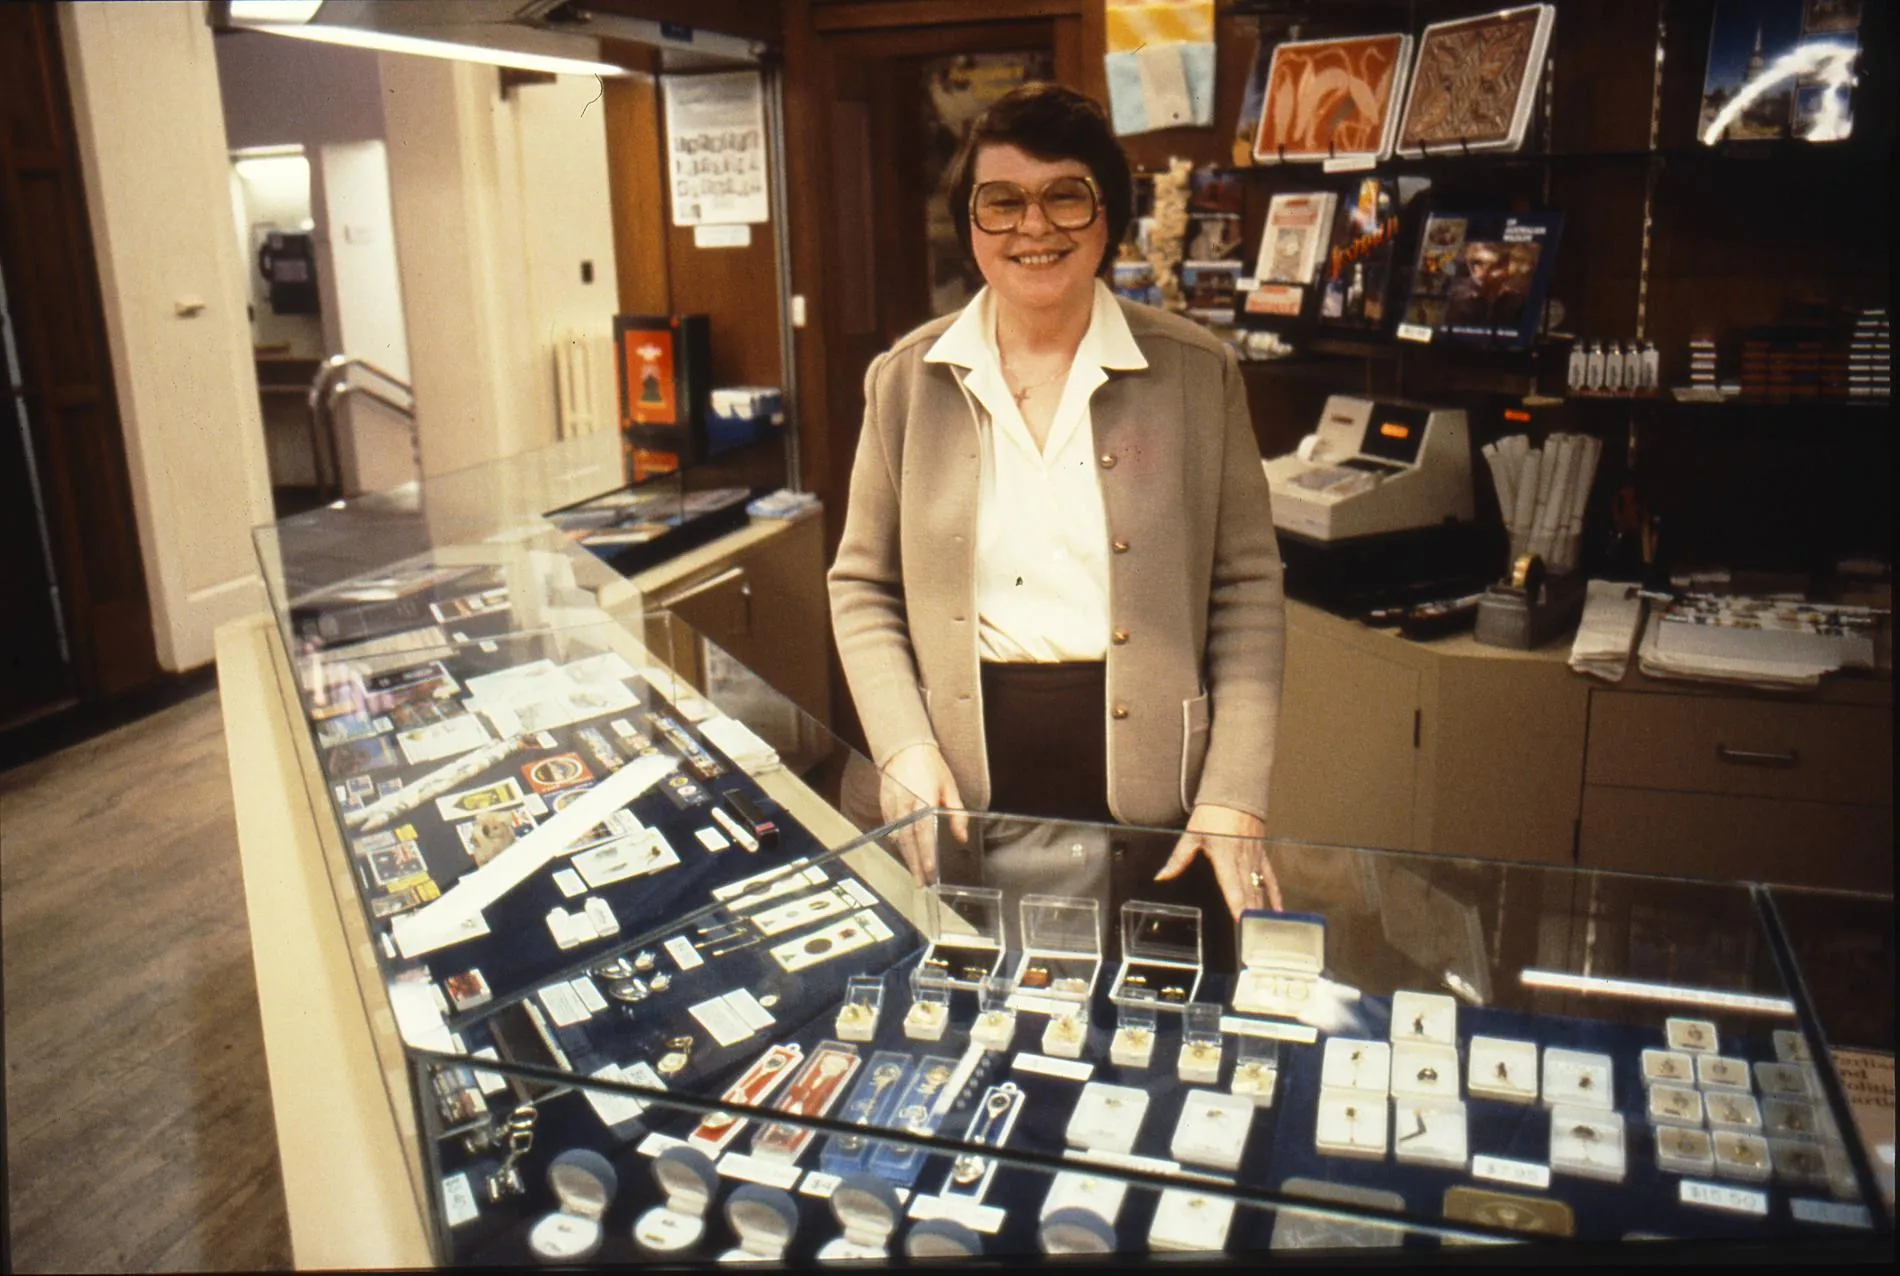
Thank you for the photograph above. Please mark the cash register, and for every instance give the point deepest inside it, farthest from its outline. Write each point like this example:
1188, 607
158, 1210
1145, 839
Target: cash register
1375, 508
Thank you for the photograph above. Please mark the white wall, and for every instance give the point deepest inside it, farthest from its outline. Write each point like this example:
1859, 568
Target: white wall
151, 143
278, 91
276, 197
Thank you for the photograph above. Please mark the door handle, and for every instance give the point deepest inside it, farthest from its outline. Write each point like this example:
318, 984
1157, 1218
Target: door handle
1756, 757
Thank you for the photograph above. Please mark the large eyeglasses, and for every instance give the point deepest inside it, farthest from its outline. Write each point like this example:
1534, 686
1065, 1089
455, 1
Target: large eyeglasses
1067, 203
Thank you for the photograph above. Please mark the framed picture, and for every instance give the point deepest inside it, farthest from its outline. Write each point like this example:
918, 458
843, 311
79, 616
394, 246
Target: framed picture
1475, 82
1326, 98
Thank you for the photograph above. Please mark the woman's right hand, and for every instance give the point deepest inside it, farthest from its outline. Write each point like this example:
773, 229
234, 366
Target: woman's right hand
918, 778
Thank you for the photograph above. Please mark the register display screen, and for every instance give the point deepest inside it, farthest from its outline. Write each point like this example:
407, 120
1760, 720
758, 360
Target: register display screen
1395, 433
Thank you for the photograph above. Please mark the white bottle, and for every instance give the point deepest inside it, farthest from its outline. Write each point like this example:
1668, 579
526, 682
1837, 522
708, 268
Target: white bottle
1593, 369
1573, 375
1651, 380
1613, 368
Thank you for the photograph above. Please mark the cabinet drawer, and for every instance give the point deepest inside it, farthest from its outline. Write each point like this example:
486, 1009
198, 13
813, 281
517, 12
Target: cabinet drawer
1715, 744
1746, 839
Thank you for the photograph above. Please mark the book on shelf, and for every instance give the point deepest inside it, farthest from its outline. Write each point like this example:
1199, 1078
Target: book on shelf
1481, 277
1298, 225
1357, 274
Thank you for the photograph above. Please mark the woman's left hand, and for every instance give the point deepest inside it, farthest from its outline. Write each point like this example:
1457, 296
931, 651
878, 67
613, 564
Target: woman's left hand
1235, 844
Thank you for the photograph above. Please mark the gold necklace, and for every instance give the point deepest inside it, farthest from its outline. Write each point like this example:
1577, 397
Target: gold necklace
1022, 396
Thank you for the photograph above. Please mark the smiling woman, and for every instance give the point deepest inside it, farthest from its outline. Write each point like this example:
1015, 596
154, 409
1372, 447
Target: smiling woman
1058, 592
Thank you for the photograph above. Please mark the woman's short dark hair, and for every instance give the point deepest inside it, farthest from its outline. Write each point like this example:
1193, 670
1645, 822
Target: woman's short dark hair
1049, 122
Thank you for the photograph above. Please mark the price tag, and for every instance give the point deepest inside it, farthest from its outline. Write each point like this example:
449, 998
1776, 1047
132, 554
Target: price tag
656, 1143
1716, 1196
1350, 164
737, 1165
1500, 1170
570, 883
684, 955
564, 1006
819, 1184
987, 1219
458, 1200
1415, 332
1298, 1033
1809, 1210
1044, 1065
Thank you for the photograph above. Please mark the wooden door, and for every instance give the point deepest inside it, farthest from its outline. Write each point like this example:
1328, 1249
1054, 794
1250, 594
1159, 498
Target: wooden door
69, 406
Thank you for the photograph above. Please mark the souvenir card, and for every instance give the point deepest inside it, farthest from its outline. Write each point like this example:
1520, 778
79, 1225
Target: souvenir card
1107, 1118
1718, 1072
1681, 1150
798, 913
1430, 1132
813, 1092
1212, 1130
492, 832
718, 1129
615, 861
558, 772
402, 901
1587, 1142
449, 738
1728, 1111
990, 1125
468, 606
393, 862
1693, 1036
861, 930
489, 797
1669, 1067
1351, 1123
1475, 81
1578, 1078
349, 726
1503, 1069
1742, 1156
1781, 1080
354, 757
1349, 1064
355, 792
1186, 1221
1424, 1071
553, 705
424, 713
1675, 1105
1098, 1195
622, 823
1423, 1017
607, 666
598, 748
871, 1104
410, 684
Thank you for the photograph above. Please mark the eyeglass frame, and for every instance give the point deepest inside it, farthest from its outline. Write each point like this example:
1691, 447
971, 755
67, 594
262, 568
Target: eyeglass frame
1035, 199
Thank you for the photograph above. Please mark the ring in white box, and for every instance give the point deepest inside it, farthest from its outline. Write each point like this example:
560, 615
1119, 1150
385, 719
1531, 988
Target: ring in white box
1351, 1064
1076, 1231
1066, 1034
1695, 1036
1503, 1069
1791, 1046
764, 1219
1256, 1069
1684, 1151
1212, 1130
1200, 1060
995, 1025
1742, 1156
1134, 1043
868, 1210
1790, 1118
1282, 956
1715, 1072
1734, 1112
688, 1180
1424, 1071
1100, 1195
1188, 1222
1430, 1132
1424, 1017
1107, 1118
1578, 1078
1781, 1080
1351, 1123
863, 1001
942, 1238
929, 1015
1668, 1067
1587, 1142
1675, 1105
1798, 1164
583, 1183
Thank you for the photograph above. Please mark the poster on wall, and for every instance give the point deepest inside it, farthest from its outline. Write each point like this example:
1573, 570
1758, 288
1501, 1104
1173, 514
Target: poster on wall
715, 148
1780, 68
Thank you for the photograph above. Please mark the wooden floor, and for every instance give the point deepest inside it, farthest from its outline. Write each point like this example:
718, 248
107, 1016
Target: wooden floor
139, 1134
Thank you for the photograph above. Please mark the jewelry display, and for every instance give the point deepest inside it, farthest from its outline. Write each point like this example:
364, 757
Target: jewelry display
1799, 1164
1782, 1080
1133, 1045
1200, 1060
1070, 1190
869, 1105
717, 1129
995, 1025
1587, 1142
1533, 1215
679, 1052
1423, 1070
929, 1013
911, 1105
1791, 1046
1684, 1151
1790, 1117
1351, 1123
583, 1183
1256, 1069
965, 928
1189, 1222
689, 1182
1716, 1072
1076, 1231
1501, 1068
1425, 1018
941, 1238
1733, 1112
764, 1219
995, 1116
863, 1001
802, 912
616, 968
817, 1087
1213, 1129
1675, 1105
1669, 1066
1107, 1118
1742, 1156
1066, 1034
860, 930
1692, 1036
1351, 1064
1281, 957
1578, 1078
1062, 941
516, 1137
1430, 1132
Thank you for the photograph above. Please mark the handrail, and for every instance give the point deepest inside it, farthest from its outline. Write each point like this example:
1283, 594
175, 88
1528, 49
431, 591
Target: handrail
327, 389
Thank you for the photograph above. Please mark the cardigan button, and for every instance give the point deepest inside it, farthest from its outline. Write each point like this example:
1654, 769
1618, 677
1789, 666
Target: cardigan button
1119, 712
1108, 460
1120, 547
1119, 637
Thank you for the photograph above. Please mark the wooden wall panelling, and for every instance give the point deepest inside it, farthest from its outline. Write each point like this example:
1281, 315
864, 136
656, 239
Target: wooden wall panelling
760, 20
636, 185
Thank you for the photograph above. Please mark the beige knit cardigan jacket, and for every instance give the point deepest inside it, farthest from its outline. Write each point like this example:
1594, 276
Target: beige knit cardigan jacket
1196, 593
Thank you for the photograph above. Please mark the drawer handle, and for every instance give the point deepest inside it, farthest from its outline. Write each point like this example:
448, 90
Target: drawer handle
1756, 757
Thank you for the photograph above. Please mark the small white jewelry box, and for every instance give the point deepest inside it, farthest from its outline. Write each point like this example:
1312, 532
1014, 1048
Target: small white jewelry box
1684, 1151
1134, 1042
1790, 1118
1668, 1067
1212, 1130
1578, 1078
1733, 1112
1065, 1034
1188, 1222
1675, 1105
1061, 950
929, 1012
1717, 1072
689, 1182
1281, 956
1587, 1142
1200, 1059
869, 1211
1107, 1117
1352, 1064
1504, 1069
1742, 1156
1256, 1069
764, 1219
1424, 1017
1781, 1080
583, 1183
1351, 1123
1791, 1046
1693, 1036
1100, 1196
863, 1000
1799, 1164
1424, 1071
1430, 1132
995, 1026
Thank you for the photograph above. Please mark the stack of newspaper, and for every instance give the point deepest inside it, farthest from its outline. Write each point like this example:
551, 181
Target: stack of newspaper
1764, 642
1611, 612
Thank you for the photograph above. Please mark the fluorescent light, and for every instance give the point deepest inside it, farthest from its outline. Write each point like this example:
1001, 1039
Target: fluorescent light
274, 11
390, 42
1636, 990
